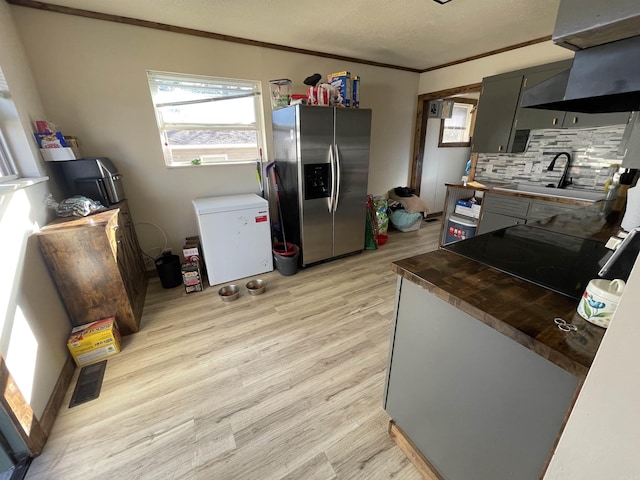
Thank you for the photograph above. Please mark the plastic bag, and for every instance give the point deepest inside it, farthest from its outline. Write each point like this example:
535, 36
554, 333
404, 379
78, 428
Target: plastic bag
76, 206
405, 221
380, 205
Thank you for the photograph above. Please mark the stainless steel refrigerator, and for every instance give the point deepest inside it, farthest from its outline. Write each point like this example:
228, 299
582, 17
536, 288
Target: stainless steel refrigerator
322, 163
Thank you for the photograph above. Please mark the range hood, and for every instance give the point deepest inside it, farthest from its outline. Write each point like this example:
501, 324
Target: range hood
605, 74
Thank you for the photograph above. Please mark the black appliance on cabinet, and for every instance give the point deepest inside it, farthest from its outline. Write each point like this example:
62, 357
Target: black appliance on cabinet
96, 178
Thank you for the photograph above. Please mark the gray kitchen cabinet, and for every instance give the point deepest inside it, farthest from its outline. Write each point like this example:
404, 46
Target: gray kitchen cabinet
501, 211
474, 402
502, 126
536, 118
490, 221
630, 145
496, 113
589, 120
541, 209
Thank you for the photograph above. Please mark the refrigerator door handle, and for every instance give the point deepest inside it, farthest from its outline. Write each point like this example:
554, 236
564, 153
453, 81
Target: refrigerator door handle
331, 198
338, 180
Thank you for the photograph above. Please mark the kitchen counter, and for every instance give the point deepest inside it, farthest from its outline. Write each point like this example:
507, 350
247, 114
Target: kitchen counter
480, 377
517, 308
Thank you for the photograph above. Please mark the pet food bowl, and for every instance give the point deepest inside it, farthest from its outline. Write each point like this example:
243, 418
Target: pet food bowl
229, 293
256, 287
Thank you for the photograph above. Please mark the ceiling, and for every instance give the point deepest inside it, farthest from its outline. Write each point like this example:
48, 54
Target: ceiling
414, 34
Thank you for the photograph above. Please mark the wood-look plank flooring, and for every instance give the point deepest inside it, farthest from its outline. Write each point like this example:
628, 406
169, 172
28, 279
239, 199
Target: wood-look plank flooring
285, 385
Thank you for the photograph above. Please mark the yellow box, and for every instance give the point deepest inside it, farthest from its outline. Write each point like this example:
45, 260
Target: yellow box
94, 341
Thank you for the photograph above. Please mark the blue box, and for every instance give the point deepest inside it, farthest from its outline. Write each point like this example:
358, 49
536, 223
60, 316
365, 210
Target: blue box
342, 80
355, 88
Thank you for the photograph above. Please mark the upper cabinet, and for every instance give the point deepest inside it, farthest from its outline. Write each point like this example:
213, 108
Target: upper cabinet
586, 120
496, 112
502, 126
533, 118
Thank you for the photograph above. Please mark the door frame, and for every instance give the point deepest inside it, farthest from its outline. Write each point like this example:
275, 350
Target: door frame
417, 155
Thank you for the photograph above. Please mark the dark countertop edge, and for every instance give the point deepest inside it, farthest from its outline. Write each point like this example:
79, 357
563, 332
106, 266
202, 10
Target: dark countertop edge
491, 187
572, 366
546, 198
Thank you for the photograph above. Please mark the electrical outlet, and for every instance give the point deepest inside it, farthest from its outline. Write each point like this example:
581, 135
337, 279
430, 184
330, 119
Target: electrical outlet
528, 166
489, 167
537, 168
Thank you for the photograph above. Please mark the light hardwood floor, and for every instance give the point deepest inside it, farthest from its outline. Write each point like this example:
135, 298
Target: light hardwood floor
285, 385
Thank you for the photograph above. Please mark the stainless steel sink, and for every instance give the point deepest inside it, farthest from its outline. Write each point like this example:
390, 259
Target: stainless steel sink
542, 191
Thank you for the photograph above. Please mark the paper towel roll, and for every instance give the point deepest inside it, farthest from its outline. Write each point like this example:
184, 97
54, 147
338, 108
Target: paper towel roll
631, 217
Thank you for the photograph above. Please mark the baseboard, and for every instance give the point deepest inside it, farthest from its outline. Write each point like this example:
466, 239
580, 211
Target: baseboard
423, 465
57, 397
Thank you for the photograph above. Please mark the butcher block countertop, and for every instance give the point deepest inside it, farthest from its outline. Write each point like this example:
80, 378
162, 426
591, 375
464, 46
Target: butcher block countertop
521, 310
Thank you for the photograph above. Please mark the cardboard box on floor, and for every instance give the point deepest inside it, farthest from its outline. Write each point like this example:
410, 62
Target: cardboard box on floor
192, 252
94, 341
191, 277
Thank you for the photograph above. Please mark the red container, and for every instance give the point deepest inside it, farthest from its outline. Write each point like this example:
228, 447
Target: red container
290, 251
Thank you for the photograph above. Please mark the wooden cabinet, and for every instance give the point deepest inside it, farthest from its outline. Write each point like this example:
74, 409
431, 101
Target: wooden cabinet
97, 266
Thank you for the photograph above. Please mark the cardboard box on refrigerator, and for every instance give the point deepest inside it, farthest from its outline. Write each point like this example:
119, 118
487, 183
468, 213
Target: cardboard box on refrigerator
342, 81
94, 341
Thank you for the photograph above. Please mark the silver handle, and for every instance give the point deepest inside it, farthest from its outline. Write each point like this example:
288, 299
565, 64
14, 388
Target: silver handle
338, 180
333, 179
555, 121
499, 148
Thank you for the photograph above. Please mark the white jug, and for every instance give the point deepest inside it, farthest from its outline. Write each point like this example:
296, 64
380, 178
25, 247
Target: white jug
600, 300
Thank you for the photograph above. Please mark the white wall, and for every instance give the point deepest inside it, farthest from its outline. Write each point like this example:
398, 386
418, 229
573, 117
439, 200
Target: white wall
439, 166
93, 85
33, 322
472, 72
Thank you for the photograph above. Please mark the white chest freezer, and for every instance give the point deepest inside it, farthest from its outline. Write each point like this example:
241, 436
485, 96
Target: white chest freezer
235, 234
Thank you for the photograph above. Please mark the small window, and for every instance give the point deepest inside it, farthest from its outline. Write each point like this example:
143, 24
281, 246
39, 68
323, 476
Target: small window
207, 120
456, 130
8, 169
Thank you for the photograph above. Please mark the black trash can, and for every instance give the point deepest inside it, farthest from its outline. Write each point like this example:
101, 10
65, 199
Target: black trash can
169, 271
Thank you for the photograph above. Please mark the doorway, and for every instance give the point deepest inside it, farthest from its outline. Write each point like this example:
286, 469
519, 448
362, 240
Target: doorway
431, 166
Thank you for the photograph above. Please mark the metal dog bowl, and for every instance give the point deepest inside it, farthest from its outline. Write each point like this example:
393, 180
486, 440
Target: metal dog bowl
229, 293
256, 287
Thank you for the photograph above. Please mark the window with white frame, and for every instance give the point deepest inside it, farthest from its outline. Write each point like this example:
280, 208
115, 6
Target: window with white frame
8, 169
207, 120
456, 130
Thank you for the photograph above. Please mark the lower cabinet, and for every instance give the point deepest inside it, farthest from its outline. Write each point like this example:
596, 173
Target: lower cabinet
474, 402
501, 211
495, 221
97, 266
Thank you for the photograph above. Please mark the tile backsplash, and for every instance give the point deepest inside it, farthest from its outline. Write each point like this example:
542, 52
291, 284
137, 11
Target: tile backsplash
592, 151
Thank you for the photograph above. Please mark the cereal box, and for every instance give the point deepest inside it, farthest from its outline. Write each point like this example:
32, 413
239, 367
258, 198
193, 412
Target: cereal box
342, 81
94, 341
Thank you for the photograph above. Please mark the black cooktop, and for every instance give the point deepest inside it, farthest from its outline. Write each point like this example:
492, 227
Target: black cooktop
558, 261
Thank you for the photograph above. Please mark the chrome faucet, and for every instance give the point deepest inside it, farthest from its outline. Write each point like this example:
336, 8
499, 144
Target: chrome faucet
563, 182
